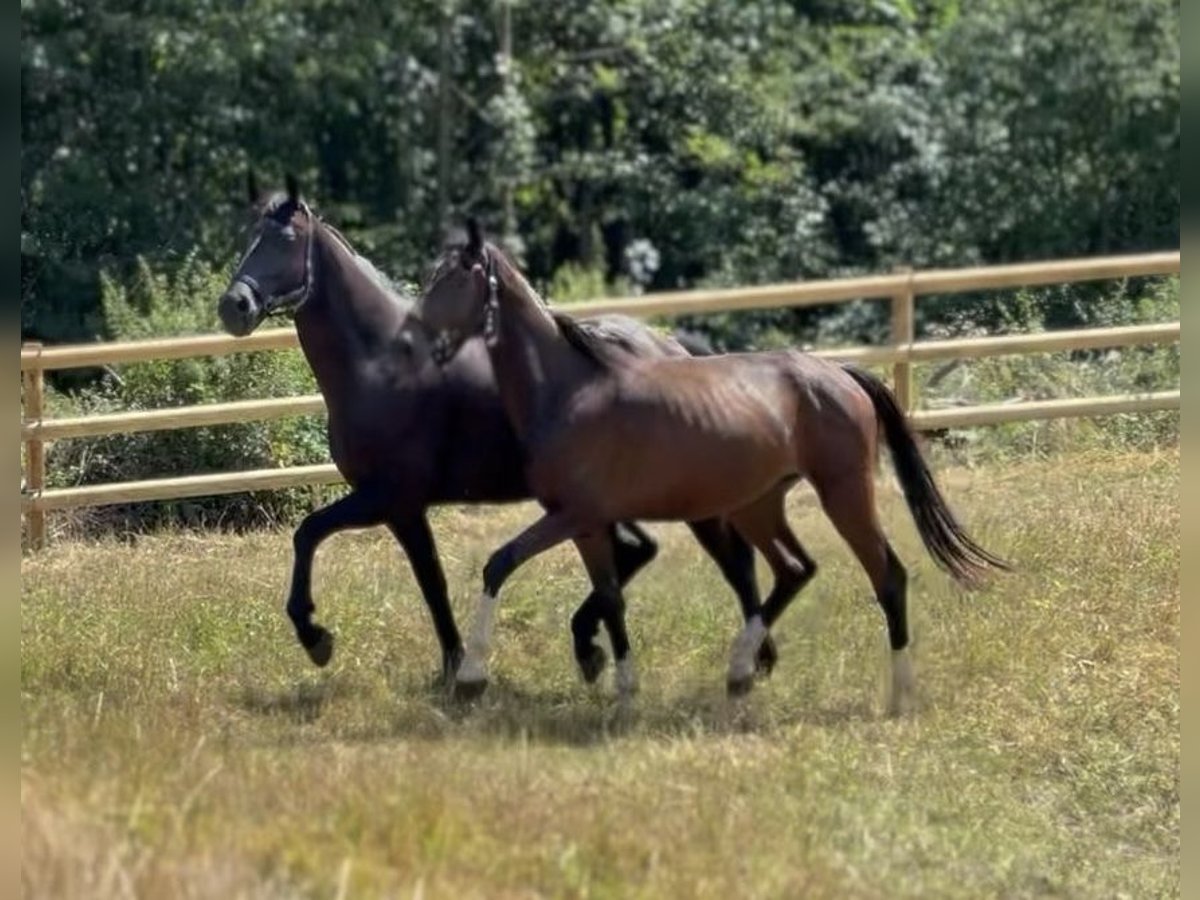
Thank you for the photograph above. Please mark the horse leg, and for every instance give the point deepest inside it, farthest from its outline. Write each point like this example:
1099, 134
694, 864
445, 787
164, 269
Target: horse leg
849, 501
548, 531
417, 540
597, 552
632, 548
764, 525
355, 510
735, 558
775, 605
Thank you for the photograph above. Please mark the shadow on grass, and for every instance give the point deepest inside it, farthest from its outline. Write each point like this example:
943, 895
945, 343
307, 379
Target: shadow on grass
560, 716
302, 702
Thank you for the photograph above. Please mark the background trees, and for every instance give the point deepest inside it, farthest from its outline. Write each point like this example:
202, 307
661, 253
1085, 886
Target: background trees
639, 144
618, 147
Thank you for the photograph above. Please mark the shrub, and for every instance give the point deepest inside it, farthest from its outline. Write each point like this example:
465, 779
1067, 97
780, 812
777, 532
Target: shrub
1084, 373
181, 299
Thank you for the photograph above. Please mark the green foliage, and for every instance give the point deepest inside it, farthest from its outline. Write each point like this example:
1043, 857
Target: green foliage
626, 147
573, 282
1126, 370
182, 300
746, 141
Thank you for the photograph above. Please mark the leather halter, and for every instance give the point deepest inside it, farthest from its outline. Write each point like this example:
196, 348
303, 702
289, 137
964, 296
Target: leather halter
289, 301
447, 340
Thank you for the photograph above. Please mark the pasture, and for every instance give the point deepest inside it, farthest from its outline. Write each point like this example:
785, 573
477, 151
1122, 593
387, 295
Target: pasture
177, 742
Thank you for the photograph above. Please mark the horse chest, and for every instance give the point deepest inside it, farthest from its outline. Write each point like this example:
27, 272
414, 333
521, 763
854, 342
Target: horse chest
381, 432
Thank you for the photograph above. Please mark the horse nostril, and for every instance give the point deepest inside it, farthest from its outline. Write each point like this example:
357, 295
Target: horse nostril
243, 305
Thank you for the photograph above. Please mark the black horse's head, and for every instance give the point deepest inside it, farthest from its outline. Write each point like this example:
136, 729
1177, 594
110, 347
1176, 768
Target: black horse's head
275, 275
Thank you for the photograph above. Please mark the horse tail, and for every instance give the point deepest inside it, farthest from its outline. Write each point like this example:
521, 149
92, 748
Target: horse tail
944, 537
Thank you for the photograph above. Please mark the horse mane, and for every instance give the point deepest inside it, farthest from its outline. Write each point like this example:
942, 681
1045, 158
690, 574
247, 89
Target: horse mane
602, 341
278, 207
368, 268
281, 208
613, 339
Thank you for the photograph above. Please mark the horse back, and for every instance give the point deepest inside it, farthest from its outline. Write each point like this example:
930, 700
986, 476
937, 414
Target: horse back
670, 439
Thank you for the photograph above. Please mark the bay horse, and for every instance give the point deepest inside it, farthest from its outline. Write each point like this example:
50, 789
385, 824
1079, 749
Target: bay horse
407, 434
610, 436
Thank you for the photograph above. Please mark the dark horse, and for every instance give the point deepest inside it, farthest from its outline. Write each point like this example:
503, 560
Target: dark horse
407, 434
611, 437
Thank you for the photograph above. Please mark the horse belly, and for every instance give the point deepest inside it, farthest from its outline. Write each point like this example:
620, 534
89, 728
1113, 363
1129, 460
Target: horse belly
700, 480
658, 470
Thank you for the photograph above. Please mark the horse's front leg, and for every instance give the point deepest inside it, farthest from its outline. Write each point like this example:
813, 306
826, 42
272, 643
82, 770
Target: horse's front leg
412, 531
548, 531
355, 510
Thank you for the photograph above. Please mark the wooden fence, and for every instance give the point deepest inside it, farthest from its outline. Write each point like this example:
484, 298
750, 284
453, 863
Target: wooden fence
901, 288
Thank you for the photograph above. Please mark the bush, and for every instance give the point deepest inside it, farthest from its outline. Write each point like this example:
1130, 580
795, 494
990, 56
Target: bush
182, 299
175, 300
573, 283
1048, 376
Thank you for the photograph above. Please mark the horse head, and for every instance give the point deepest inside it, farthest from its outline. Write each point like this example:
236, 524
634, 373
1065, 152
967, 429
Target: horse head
275, 274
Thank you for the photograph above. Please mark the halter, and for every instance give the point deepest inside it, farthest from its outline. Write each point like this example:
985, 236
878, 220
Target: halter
293, 299
447, 340
491, 309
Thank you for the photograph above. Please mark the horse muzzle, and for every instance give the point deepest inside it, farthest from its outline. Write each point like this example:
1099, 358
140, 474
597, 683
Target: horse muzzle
239, 309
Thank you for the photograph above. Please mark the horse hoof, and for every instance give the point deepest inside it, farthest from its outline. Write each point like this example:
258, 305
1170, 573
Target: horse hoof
320, 648
739, 687
766, 658
626, 679
593, 664
451, 660
466, 691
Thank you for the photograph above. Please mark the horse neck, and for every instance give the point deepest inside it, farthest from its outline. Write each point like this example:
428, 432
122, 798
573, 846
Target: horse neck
534, 364
347, 319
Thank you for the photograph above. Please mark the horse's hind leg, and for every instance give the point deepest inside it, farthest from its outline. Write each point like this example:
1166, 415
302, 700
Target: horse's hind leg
735, 558
632, 549
764, 525
355, 510
599, 558
412, 532
849, 501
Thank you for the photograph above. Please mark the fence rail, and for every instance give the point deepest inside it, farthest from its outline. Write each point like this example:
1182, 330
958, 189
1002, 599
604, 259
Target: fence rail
901, 288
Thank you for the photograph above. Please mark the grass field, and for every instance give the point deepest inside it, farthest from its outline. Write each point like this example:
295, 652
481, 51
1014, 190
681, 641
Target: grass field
177, 743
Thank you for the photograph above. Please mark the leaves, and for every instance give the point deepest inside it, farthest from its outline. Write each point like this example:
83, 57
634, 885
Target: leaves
744, 141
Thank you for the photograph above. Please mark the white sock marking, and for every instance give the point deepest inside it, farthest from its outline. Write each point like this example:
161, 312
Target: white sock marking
745, 648
904, 682
473, 667
626, 677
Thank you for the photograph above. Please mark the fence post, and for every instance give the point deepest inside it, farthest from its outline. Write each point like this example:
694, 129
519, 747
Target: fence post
33, 402
903, 332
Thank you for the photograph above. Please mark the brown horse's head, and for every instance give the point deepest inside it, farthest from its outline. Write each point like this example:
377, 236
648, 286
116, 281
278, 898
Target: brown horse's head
460, 298
276, 273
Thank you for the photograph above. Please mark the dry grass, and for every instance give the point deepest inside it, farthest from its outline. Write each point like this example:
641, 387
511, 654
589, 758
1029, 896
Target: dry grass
177, 743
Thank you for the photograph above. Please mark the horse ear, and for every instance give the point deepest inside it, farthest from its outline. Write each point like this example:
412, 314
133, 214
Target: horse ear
293, 187
252, 188
474, 235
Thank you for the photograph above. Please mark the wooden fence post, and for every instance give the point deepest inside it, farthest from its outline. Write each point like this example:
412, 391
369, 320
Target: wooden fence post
903, 332
33, 402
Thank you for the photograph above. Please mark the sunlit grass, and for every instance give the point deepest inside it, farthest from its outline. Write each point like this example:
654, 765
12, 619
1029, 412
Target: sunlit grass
178, 743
